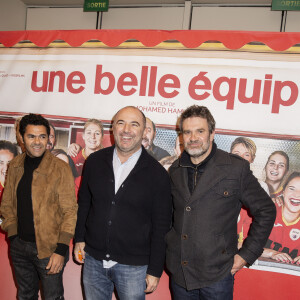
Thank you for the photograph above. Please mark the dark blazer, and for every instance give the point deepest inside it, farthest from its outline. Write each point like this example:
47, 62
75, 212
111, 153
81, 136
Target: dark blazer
203, 240
130, 226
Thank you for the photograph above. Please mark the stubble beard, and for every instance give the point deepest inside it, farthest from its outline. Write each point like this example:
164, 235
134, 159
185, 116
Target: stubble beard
198, 152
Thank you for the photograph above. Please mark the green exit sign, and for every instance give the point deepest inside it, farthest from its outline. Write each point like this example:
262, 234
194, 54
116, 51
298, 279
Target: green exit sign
285, 5
95, 5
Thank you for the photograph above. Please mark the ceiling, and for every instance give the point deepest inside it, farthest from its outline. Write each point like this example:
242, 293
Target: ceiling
143, 2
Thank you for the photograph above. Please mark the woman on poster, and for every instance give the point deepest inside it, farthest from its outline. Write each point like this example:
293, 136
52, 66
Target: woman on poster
92, 136
276, 168
284, 241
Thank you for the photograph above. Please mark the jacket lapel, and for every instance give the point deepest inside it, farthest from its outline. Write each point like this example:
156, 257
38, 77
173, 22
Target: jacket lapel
211, 176
180, 181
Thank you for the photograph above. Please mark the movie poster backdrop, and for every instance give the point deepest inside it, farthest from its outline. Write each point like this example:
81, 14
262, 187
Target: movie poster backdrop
251, 95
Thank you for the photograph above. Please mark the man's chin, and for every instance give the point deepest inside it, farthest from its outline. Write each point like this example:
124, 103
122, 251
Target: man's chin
195, 153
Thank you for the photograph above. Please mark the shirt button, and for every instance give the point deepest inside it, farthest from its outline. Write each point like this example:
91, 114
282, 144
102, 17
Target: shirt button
184, 236
109, 222
107, 256
184, 263
113, 202
226, 193
188, 208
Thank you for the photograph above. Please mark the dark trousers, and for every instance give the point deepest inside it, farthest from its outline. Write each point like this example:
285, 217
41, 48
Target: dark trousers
29, 269
220, 290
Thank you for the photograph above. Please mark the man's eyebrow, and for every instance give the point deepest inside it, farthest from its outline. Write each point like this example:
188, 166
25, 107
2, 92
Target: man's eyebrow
135, 122
42, 134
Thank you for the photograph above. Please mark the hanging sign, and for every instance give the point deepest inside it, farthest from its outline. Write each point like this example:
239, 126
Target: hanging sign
285, 5
95, 5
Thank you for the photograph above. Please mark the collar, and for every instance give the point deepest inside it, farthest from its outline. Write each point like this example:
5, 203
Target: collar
134, 157
33, 161
43, 167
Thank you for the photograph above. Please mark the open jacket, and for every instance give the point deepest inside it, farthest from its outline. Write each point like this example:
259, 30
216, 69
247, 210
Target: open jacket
128, 226
53, 202
203, 240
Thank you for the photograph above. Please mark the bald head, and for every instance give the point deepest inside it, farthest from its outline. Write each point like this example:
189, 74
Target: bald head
149, 135
128, 129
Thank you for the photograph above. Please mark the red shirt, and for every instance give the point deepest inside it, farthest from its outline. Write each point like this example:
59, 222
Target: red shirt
79, 161
243, 225
285, 237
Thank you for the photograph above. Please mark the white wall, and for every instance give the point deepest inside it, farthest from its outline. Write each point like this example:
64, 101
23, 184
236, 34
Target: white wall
12, 15
165, 18
293, 21
60, 19
236, 18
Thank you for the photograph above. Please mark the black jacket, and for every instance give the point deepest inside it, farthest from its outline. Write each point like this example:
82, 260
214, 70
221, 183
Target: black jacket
203, 240
128, 227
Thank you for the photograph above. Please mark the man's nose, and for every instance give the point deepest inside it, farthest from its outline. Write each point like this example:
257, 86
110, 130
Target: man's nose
126, 127
36, 140
194, 136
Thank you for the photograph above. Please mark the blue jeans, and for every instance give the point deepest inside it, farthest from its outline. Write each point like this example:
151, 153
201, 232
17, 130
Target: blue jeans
29, 270
221, 290
99, 282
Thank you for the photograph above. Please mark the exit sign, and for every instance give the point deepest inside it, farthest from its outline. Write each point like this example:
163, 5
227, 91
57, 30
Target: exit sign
285, 5
95, 5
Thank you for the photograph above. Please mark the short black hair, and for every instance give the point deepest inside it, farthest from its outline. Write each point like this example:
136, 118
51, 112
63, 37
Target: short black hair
33, 119
200, 112
6, 145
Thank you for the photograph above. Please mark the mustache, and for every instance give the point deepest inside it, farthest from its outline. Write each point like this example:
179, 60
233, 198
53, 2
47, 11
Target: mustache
194, 142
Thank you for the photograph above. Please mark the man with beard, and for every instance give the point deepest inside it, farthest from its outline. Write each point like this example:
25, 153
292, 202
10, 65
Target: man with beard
209, 187
124, 213
39, 213
149, 136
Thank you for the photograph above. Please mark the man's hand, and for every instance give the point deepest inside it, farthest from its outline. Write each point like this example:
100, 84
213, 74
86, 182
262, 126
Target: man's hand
152, 283
79, 252
55, 264
73, 150
238, 264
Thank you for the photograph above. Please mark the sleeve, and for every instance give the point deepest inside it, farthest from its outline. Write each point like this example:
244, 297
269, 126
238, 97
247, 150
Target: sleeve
68, 205
263, 211
84, 203
8, 209
161, 222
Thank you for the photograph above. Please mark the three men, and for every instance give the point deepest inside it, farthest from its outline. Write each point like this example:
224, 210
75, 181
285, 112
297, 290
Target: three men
157, 152
209, 186
39, 213
124, 214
